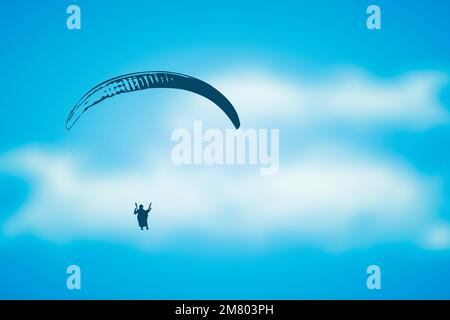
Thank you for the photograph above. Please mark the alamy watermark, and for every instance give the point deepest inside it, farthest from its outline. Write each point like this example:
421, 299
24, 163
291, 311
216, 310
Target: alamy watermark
73, 281
373, 22
374, 279
233, 147
73, 21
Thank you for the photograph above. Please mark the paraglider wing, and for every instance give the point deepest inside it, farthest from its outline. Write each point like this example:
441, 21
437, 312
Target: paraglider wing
147, 80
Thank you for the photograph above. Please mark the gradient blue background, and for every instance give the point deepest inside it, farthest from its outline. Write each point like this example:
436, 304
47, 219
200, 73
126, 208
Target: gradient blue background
46, 67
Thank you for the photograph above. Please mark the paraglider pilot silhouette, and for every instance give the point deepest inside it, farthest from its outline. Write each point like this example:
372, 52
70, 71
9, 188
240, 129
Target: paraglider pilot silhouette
142, 215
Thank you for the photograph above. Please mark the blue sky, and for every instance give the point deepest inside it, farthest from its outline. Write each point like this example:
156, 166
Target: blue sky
363, 120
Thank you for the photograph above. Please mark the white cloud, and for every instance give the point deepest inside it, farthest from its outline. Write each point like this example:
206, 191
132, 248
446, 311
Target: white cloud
349, 97
437, 237
331, 198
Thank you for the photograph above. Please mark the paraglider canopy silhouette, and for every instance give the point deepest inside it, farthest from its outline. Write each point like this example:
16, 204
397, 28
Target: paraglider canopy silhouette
147, 80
